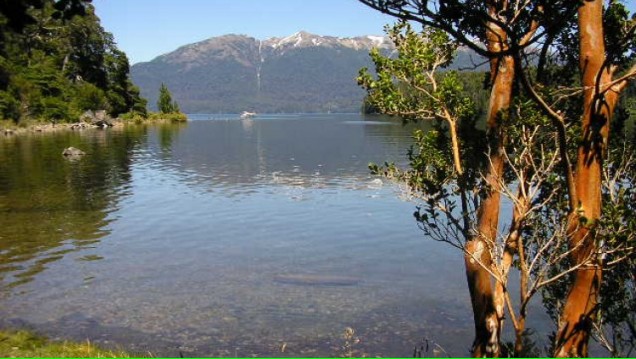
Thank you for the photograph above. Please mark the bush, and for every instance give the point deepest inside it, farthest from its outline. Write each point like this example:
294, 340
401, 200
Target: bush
172, 116
134, 116
89, 97
9, 107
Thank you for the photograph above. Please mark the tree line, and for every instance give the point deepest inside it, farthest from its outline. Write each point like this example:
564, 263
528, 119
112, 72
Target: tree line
57, 61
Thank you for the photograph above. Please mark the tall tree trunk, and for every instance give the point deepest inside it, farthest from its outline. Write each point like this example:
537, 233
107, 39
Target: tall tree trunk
487, 307
580, 305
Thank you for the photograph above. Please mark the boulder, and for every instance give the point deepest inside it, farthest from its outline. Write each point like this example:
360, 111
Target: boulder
78, 126
88, 116
101, 115
103, 123
73, 152
98, 118
102, 119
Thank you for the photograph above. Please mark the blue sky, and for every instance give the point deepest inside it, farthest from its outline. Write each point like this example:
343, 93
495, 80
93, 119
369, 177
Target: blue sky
145, 29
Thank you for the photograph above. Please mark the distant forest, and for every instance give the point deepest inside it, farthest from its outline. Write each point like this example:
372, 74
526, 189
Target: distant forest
56, 61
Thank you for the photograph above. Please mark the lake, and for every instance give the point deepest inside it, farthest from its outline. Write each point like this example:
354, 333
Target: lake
177, 239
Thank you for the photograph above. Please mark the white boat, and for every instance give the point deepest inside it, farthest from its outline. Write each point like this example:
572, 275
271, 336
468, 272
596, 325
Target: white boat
247, 115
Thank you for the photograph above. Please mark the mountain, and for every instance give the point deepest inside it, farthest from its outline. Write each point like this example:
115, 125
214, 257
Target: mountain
232, 73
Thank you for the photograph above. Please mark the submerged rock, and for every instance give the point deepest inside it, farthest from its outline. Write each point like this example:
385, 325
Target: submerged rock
315, 279
72, 151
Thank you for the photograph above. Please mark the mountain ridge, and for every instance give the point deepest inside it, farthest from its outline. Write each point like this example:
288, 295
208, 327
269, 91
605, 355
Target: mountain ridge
302, 72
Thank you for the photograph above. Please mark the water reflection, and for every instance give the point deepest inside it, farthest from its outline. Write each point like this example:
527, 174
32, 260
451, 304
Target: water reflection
174, 237
315, 152
51, 206
168, 132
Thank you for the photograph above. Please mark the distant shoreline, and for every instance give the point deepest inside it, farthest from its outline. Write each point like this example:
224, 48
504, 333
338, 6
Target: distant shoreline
39, 127
9, 129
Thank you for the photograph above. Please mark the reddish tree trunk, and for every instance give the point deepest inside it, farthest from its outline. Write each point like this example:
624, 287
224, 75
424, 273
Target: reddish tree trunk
487, 310
579, 308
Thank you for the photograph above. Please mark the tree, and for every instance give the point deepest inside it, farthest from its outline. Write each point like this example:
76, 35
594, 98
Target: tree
18, 16
598, 68
56, 61
165, 103
508, 33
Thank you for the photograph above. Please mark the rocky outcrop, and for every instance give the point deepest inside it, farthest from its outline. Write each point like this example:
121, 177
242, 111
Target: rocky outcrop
73, 152
99, 118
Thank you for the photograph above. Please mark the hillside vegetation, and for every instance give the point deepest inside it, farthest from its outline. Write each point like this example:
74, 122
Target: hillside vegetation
56, 61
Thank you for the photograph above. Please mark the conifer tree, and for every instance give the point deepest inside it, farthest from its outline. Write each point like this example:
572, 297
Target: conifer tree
165, 104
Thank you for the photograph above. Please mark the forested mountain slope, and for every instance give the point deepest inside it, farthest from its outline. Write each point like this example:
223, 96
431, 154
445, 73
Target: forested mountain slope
299, 73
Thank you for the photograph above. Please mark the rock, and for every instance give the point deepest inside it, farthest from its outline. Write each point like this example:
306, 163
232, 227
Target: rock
88, 116
78, 126
99, 118
73, 152
316, 280
101, 115
102, 119
103, 123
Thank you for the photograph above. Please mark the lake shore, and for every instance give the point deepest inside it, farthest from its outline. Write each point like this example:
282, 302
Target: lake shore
39, 127
8, 128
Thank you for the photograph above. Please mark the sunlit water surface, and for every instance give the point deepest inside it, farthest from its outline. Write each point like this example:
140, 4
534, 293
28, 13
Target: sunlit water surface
168, 239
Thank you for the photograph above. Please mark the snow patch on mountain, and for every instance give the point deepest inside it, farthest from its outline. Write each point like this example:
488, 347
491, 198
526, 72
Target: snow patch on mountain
304, 39
378, 40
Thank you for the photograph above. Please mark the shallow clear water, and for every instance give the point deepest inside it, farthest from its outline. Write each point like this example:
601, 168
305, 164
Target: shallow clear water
168, 239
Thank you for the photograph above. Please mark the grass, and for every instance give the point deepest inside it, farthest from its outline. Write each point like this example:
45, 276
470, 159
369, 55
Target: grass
23, 344
9, 124
154, 116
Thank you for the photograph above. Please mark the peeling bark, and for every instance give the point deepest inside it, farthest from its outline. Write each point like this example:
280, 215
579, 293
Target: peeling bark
487, 308
580, 306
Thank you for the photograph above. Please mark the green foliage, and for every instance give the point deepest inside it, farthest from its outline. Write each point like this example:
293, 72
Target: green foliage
16, 14
165, 104
619, 42
618, 229
139, 117
404, 85
89, 97
172, 116
411, 86
9, 107
57, 60
616, 236
24, 344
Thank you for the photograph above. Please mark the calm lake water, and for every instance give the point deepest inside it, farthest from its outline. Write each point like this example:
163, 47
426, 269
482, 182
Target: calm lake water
169, 239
